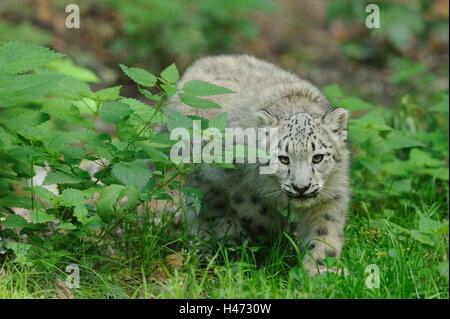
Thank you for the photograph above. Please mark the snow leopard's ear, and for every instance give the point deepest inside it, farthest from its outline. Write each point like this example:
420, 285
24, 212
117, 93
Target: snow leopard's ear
266, 118
336, 120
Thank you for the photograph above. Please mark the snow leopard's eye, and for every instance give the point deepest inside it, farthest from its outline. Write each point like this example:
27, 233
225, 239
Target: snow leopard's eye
317, 158
284, 159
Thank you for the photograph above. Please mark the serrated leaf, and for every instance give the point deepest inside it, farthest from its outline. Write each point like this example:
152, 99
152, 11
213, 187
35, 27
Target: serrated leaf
40, 217
139, 76
132, 173
203, 88
114, 112
72, 197
16, 57
170, 89
72, 89
143, 111
170, 74
14, 221
109, 94
196, 102
61, 178
43, 193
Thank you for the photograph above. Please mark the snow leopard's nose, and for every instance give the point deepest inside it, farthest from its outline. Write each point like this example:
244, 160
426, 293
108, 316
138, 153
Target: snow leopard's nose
300, 190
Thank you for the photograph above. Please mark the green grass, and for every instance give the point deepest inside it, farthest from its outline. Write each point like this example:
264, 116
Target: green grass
142, 268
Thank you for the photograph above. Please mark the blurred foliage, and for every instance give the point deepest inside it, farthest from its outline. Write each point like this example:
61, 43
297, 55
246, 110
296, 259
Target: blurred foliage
181, 27
401, 24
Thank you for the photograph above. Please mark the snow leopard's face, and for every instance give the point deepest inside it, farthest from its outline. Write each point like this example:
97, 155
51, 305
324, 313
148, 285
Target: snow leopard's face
309, 149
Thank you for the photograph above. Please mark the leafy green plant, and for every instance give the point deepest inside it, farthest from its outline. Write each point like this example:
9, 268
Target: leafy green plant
48, 117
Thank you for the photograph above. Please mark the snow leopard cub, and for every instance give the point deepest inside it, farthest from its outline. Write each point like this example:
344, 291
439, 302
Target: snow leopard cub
311, 160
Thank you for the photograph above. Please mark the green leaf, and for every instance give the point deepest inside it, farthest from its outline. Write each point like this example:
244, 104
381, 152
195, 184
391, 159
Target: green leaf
219, 121
56, 177
67, 226
355, 104
17, 57
20, 249
67, 67
114, 112
72, 89
442, 106
396, 140
15, 221
132, 173
43, 193
373, 120
40, 217
72, 197
203, 88
80, 212
109, 94
139, 76
107, 201
170, 89
143, 111
22, 88
196, 102
422, 159
170, 74
132, 194
154, 154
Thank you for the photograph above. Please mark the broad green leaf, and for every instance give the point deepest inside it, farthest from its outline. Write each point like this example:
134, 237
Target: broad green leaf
170, 89
20, 249
143, 111
40, 217
132, 194
14, 221
107, 201
170, 74
420, 158
43, 193
67, 67
109, 94
72, 197
196, 102
396, 140
372, 120
17, 57
132, 173
114, 112
56, 177
203, 88
139, 76
355, 104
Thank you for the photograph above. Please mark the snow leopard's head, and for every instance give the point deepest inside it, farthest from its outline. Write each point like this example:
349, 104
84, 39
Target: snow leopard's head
309, 149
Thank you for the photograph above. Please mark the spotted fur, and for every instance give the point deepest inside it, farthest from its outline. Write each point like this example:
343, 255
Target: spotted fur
312, 135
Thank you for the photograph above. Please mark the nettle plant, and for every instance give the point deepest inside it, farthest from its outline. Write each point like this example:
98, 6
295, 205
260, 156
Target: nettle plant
48, 120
